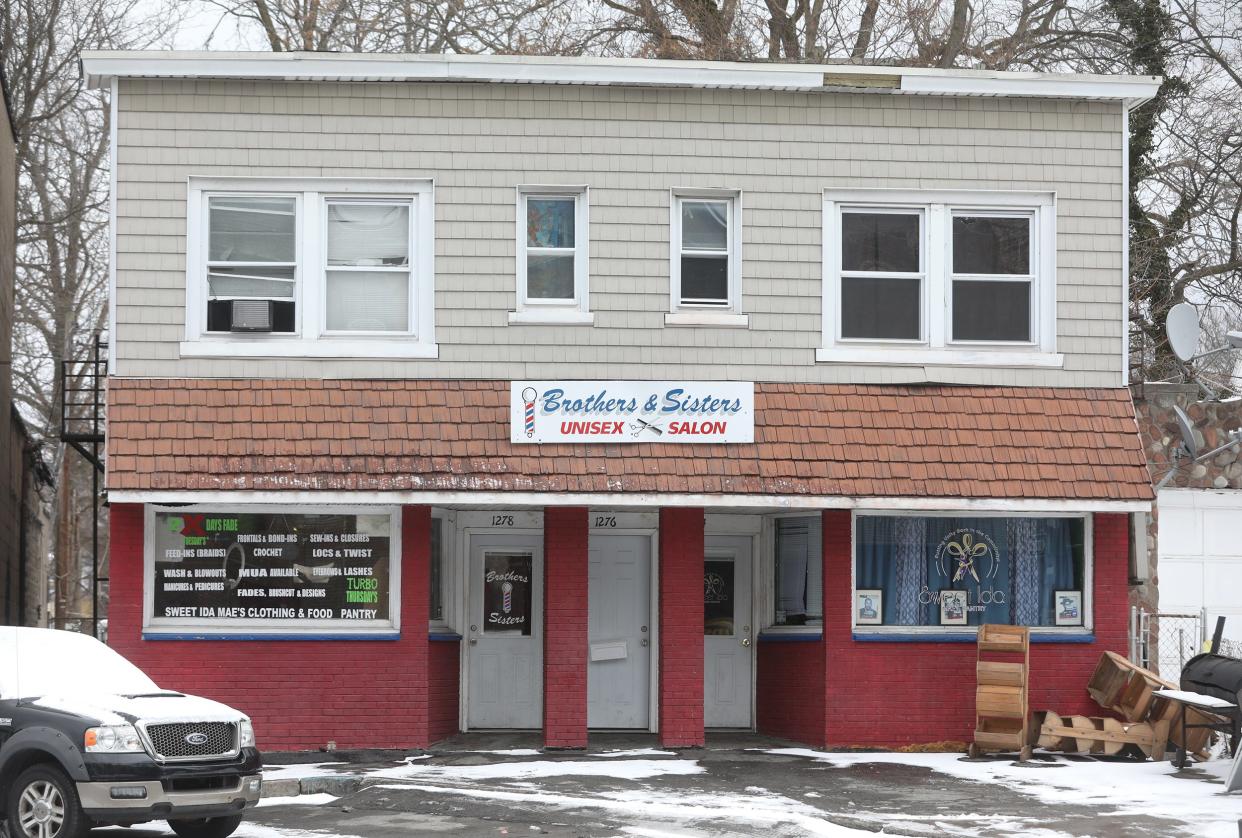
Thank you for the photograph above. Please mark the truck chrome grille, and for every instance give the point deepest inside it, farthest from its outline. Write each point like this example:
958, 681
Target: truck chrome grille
191, 740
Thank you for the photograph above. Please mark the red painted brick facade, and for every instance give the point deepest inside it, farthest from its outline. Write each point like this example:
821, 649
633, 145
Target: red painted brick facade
565, 573
681, 627
443, 689
789, 698
889, 694
300, 694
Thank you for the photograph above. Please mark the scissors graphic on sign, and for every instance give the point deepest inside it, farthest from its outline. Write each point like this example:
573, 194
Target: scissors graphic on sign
965, 554
645, 426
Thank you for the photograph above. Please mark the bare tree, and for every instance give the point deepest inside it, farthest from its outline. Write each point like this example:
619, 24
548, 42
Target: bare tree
62, 256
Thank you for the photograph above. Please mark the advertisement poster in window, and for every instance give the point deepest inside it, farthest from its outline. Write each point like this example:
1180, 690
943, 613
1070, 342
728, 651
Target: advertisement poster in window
1068, 607
718, 597
507, 593
869, 607
953, 606
279, 570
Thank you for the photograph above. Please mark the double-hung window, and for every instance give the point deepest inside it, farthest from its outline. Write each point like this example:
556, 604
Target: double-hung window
552, 256
252, 263
939, 278
706, 258
309, 267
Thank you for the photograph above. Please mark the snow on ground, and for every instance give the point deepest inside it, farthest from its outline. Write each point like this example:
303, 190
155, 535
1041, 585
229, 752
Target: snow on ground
1133, 788
637, 752
620, 769
299, 800
300, 772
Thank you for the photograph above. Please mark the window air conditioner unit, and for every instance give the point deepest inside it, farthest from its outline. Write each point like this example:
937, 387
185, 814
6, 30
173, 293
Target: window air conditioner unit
251, 316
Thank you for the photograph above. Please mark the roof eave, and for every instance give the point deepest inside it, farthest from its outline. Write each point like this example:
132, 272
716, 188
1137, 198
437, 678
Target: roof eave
100, 67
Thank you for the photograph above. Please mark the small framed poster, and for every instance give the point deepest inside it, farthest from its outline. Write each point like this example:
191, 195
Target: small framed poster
1067, 606
868, 607
953, 608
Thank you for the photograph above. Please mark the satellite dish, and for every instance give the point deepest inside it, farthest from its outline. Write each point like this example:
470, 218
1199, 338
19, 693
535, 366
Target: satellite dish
1182, 328
1187, 430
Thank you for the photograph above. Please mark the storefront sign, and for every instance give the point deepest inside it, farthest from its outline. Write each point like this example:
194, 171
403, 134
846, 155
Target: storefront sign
225, 568
507, 593
632, 411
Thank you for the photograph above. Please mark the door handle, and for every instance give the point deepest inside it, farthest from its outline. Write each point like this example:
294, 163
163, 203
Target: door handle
474, 642
745, 641
643, 642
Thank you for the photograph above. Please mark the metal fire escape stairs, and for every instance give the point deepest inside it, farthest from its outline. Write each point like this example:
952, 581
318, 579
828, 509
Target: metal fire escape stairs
83, 405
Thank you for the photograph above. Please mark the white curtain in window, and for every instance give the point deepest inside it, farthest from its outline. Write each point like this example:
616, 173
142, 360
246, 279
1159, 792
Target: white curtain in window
370, 301
910, 557
1028, 552
705, 225
368, 234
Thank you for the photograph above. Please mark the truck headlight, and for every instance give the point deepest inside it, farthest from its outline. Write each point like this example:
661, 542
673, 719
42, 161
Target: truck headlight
245, 734
113, 739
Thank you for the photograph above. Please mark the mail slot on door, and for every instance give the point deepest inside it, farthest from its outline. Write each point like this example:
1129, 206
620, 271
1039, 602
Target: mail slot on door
612, 650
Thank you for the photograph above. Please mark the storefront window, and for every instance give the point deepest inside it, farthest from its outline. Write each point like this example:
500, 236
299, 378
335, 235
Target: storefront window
799, 572
216, 571
966, 571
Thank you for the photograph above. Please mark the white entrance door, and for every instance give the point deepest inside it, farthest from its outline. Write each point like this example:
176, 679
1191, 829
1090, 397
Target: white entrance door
505, 637
619, 632
727, 638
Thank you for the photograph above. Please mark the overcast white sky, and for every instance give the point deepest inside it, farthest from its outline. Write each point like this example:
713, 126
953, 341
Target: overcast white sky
205, 26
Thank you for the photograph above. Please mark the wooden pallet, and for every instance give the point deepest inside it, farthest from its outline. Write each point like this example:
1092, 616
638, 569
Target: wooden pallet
1001, 691
1128, 690
1097, 735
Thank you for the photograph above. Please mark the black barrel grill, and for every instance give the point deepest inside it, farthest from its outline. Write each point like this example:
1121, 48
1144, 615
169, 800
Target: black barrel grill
1220, 677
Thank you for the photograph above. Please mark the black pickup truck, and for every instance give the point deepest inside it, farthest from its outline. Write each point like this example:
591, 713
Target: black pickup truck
86, 739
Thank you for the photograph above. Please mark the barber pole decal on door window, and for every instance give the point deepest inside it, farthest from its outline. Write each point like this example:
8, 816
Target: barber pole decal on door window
632, 411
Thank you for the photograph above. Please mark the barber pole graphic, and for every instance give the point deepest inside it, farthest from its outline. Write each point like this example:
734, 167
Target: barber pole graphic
506, 591
528, 396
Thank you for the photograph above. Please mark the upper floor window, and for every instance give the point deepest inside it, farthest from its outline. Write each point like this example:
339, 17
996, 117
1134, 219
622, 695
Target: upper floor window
951, 277
552, 255
316, 267
706, 248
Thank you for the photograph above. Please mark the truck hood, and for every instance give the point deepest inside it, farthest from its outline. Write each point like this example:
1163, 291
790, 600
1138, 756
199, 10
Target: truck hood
163, 708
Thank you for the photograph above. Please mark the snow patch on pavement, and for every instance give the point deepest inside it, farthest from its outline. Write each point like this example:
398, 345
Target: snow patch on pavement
636, 752
300, 772
620, 769
1133, 788
299, 800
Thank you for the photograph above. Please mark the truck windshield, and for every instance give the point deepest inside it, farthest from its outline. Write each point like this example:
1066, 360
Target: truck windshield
43, 662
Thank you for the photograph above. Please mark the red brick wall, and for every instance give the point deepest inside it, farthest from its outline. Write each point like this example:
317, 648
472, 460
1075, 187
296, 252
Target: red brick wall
790, 694
443, 689
565, 566
681, 627
301, 694
889, 694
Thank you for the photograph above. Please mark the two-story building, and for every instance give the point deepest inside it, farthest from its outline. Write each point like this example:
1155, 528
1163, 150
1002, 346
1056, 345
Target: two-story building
567, 394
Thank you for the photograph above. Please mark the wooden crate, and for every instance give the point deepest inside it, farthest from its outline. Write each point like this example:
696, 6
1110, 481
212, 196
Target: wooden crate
1001, 691
1127, 689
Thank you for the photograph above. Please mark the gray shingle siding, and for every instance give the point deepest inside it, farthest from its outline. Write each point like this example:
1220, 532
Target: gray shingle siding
631, 146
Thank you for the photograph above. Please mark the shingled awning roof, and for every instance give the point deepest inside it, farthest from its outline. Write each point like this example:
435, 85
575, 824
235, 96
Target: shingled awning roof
905, 441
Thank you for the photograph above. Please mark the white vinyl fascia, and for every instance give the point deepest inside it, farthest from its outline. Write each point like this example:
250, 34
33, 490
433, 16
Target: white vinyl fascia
99, 67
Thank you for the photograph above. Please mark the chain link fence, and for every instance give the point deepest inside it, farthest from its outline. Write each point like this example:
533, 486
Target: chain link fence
1164, 642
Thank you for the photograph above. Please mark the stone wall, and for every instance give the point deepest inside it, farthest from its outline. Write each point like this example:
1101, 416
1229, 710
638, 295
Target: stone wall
1212, 420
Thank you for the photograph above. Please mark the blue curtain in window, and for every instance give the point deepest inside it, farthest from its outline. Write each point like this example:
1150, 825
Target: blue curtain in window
1009, 566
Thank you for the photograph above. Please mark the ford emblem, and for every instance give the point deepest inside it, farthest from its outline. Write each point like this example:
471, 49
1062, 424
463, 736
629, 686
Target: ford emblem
196, 738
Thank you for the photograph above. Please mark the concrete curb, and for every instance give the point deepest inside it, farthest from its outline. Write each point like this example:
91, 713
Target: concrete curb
337, 786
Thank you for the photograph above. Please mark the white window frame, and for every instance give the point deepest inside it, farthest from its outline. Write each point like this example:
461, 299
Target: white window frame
936, 346
408, 270
1088, 573
311, 338
575, 312
684, 313
267, 628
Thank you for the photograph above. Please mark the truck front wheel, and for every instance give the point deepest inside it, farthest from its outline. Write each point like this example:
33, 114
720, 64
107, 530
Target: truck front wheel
43, 803
206, 827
